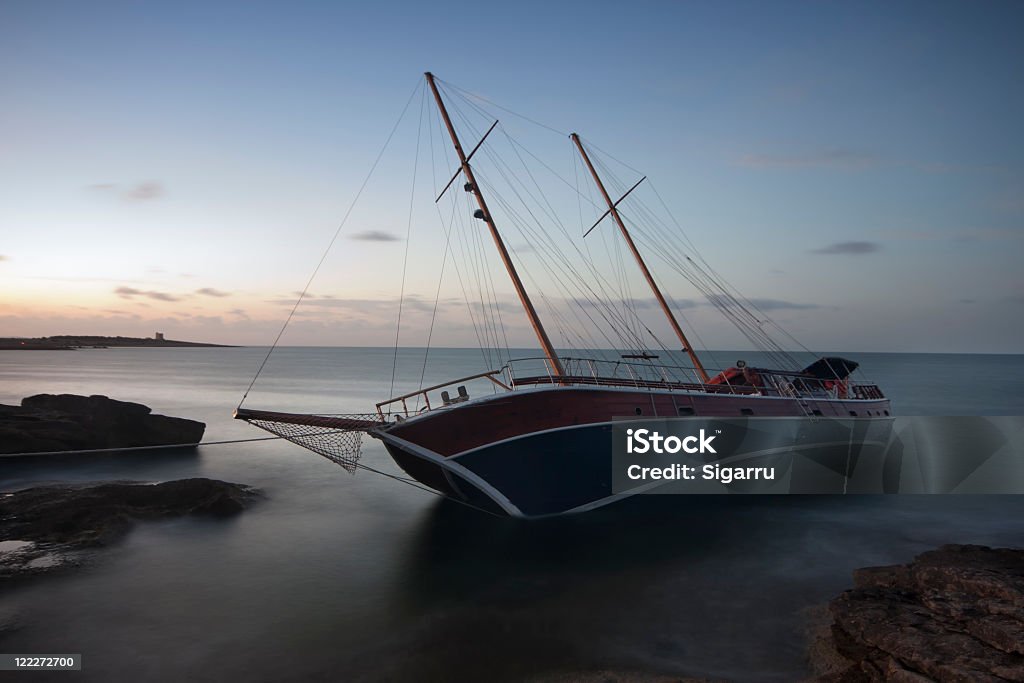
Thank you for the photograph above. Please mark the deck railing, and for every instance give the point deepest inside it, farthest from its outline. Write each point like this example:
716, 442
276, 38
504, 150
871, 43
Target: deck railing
536, 371
492, 375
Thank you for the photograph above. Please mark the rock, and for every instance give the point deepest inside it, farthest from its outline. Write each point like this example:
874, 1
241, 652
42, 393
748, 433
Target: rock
43, 528
953, 614
68, 422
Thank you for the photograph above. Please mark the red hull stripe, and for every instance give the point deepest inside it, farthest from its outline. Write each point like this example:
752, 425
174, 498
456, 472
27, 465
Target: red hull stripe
474, 424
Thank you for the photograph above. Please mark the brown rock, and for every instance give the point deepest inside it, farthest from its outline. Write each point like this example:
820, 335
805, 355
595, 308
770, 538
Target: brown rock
953, 614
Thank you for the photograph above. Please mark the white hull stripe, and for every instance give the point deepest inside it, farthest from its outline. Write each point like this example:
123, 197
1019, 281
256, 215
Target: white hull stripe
446, 464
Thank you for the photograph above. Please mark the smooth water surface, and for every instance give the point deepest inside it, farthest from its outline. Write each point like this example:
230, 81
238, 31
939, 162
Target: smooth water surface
341, 577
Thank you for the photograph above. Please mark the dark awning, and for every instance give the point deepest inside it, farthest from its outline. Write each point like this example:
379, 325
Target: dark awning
831, 368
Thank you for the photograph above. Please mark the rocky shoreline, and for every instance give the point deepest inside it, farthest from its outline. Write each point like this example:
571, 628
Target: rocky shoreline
953, 614
68, 342
52, 527
68, 422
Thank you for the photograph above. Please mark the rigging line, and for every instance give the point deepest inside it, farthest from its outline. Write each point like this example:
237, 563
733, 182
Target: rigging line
482, 267
713, 290
489, 292
591, 144
572, 276
751, 327
433, 316
579, 199
408, 235
554, 248
500, 164
455, 261
465, 94
550, 211
444, 261
302, 295
725, 283
518, 223
142, 448
555, 173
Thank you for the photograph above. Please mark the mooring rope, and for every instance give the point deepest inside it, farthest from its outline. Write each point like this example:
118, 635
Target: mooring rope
404, 480
140, 448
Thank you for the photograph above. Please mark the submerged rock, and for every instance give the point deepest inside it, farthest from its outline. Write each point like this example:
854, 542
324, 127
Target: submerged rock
953, 614
45, 527
68, 422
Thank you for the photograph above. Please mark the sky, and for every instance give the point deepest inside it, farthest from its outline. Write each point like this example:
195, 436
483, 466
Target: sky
855, 169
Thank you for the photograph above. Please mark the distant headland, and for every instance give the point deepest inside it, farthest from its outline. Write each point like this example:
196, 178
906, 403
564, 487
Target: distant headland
70, 341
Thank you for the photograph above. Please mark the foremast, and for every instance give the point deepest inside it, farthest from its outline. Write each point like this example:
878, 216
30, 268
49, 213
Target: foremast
474, 188
613, 210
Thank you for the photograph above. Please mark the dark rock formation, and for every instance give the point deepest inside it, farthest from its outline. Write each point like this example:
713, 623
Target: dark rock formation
55, 521
68, 422
953, 614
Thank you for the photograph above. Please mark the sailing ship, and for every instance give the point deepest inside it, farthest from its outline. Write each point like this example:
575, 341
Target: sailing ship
540, 443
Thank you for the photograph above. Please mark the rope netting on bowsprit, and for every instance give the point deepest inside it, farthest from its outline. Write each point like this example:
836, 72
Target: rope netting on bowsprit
338, 438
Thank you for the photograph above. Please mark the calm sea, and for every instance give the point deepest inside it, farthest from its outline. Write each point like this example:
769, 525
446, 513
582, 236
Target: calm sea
342, 577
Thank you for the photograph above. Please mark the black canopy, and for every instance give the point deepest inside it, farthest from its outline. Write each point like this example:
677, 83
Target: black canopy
831, 367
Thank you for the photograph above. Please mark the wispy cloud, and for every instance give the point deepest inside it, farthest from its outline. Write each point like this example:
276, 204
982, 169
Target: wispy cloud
145, 191
131, 293
210, 291
849, 248
139, 192
374, 236
836, 157
761, 304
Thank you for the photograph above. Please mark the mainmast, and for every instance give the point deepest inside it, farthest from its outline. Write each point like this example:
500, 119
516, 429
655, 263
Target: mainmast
524, 298
640, 261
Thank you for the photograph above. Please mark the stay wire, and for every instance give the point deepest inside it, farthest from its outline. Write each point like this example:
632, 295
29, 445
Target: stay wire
408, 236
337, 232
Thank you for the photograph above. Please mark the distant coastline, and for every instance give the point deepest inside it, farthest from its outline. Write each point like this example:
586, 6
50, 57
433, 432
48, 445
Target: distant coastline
67, 342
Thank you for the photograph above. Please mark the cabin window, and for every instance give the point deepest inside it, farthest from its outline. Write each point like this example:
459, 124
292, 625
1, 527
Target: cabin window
639, 411
686, 410
816, 412
887, 412
746, 411
853, 413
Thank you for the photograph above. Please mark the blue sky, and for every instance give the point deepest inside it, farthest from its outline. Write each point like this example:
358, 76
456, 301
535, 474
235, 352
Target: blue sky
181, 166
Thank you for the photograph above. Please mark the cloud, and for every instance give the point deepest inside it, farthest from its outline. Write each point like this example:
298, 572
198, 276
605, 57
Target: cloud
210, 291
370, 306
131, 292
145, 191
635, 304
374, 236
849, 248
761, 304
837, 158
3, 258
140, 192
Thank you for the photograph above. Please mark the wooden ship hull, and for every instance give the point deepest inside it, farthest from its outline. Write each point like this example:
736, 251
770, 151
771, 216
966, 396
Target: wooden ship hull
548, 452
